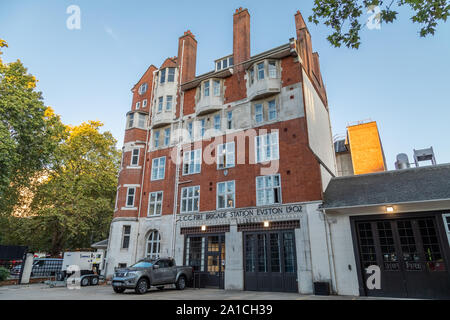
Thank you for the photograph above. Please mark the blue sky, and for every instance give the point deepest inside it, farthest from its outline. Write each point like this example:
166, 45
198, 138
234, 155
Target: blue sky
396, 78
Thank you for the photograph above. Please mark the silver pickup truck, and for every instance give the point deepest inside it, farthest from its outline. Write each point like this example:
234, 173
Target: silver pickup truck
151, 272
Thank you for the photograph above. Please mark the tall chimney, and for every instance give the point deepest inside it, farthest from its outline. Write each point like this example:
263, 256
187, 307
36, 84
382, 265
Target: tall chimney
241, 36
187, 56
304, 42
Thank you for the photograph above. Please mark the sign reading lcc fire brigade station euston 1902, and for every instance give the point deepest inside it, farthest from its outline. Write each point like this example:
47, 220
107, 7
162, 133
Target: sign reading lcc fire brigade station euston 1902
255, 213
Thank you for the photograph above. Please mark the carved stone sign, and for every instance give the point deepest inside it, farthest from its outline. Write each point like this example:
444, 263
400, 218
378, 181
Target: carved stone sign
255, 212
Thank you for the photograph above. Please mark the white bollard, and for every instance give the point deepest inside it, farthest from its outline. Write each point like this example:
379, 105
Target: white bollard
27, 266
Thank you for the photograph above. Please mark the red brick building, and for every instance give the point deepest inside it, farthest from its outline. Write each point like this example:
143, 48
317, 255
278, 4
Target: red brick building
225, 171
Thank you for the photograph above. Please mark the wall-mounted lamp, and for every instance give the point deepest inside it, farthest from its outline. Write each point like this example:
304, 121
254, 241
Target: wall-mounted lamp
266, 224
203, 228
389, 209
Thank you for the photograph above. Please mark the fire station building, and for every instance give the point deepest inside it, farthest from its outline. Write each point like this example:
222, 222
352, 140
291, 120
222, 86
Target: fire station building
227, 171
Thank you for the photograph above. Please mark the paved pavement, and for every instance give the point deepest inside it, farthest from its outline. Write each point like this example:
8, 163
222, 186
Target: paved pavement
41, 291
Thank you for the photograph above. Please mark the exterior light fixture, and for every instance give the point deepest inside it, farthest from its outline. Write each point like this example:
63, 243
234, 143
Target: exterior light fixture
389, 209
266, 224
203, 228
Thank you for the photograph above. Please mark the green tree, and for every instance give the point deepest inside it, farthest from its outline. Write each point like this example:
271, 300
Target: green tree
74, 206
344, 16
29, 133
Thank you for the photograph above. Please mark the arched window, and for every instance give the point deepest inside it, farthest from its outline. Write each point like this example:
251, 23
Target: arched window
153, 245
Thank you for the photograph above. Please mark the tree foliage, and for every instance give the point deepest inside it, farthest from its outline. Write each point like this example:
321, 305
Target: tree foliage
74, 206
29, 133
68, 173
344, 16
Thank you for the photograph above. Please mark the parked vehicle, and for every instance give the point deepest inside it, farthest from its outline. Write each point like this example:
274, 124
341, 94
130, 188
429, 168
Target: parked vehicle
151, 272
87, 263
42, 267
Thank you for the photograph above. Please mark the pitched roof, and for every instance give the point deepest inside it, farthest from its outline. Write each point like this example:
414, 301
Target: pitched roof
169, 63
389, 187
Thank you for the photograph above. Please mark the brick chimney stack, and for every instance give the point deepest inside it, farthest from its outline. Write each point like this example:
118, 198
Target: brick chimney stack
187, 56
241, 35
304, 41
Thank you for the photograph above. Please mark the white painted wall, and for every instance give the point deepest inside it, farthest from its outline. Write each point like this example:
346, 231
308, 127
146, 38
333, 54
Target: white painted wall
341, 236
319, 127
234, 259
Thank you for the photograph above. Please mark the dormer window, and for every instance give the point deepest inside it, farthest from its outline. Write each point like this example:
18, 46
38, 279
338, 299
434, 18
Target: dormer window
162, 76
263, 70
216, 88
272, 69
143, 88
224, 63
260, 68
136, 120
171, 76
206, 89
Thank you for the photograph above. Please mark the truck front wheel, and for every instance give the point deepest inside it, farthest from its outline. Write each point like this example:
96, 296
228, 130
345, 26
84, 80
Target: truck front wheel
141, 286
119, 290
181, 283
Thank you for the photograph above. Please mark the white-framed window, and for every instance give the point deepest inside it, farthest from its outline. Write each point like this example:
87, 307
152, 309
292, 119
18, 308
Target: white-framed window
225, 195
216, 88
446, 218
126, 233
224, 63
190, 130
162, 75
143, 88
202, 127
130, 120
259, 113
229, 119
160, 104
153, 245
192, 161
252, 75
169, 103
138, 105
225, 155
131, 193
268, 190
206, 88
266, 147
141, 120
158, 168
171, 75
260, 70
272, 69
190, 199
155, 201
135, 157
217, 122
156, 139
166, 137
272, 110
144, 103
